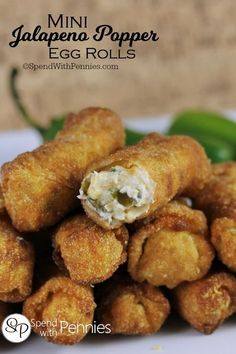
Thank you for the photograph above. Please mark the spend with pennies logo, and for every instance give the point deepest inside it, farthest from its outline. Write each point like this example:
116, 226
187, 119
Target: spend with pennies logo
16, 328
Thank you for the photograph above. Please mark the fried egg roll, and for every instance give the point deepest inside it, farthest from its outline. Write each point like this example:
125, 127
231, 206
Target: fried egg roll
40, 187
172, 249
218, 200
16, 263
133, 182
61, 311
89, 253
131, 308
207, 302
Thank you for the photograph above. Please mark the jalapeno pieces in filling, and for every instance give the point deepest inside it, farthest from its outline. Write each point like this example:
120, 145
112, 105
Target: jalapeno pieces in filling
119, 194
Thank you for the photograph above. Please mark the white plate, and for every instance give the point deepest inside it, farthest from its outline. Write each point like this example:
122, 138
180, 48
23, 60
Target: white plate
175, 337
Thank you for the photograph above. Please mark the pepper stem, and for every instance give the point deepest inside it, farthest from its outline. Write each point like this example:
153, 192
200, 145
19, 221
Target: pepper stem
19, 105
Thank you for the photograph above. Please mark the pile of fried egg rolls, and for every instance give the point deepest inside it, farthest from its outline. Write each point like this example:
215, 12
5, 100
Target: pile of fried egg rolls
94, 233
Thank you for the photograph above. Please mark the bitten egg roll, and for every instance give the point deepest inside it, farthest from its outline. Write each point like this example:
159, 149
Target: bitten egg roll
16, 263
218, 201
172, 249
40, 187
207, 302
88, 252
61, 311
133, 182
131, 308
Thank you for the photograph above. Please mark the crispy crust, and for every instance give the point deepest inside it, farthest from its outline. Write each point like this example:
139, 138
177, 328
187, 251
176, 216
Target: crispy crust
172, 249
177, 165
131, 308
89, 253
223, 237
16, 263
206, 303
218, 200
172, 208
61, 299
41, 186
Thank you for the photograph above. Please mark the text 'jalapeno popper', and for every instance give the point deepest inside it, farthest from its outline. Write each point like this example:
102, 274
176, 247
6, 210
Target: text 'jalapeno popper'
218, 201
40, 187
133, 182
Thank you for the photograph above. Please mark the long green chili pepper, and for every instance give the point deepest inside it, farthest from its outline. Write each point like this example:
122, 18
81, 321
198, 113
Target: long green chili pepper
205, 123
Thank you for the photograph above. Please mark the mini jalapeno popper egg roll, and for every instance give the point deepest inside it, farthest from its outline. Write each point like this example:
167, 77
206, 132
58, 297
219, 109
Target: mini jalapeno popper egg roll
61, 311
172, 249
131, 308
89, 253
207, 302
40, 187
133, 182
218, 200
16, 263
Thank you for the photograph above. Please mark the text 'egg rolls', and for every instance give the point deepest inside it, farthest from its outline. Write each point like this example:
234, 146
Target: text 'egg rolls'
40, 187
132, 308
61, 311
133, 182
172, 249
16, 263
218, 200
89, 253
207, 302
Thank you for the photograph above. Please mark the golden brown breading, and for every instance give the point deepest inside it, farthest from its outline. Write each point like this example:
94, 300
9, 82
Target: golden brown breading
137, 180
16, 263
2, 203
218, 200
172, 208
172, 249
4, 312
41, 186
223, 238
66, 307
132, 308
89, 253
207, 302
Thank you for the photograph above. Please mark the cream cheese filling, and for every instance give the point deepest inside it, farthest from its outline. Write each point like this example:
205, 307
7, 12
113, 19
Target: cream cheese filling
119, 194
